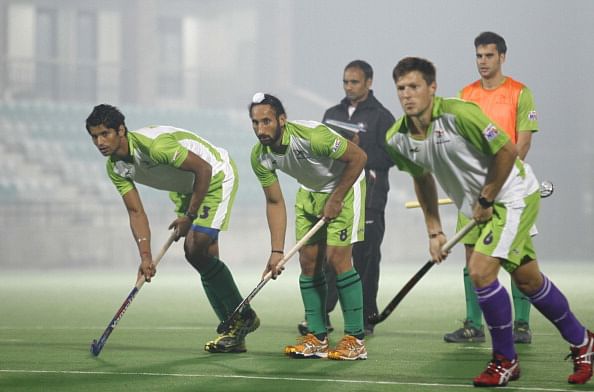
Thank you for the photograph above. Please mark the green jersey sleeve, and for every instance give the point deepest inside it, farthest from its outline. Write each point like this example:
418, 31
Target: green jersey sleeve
266, 176
122, 184
401, 162
325, 142
166, 150
526, 118
474, 125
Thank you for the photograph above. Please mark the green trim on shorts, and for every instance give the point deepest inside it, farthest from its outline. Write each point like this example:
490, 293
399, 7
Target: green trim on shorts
225, 224
473, 235
309, 206
499, 239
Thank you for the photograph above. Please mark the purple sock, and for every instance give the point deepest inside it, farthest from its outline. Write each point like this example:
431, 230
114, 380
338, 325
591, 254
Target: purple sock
551, 302
496, 306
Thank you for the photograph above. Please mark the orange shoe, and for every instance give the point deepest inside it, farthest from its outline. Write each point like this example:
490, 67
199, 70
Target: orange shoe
349, 349
308, 346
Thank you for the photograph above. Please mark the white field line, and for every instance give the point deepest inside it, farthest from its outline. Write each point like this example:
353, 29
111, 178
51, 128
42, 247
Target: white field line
270, 378
84, 328
186, 328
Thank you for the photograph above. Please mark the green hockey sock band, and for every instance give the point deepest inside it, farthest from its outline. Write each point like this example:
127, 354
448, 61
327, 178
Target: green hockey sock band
220, 288
521, 305
313, 293
473, 310
350, 295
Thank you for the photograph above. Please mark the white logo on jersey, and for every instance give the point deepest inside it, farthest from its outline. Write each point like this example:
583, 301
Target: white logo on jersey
532, 115
124, 169
175, 155
336, 145
490, 132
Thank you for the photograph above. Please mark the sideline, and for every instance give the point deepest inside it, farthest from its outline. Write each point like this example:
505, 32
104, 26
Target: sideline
309, 380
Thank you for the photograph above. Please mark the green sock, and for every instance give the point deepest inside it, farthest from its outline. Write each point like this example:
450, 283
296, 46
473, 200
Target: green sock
521, 305
473, 310
350, 294
313, 293
220, 288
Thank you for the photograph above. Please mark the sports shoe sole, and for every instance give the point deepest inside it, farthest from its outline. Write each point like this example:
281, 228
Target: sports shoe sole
297, 355
337, 357
212, 347
469, 340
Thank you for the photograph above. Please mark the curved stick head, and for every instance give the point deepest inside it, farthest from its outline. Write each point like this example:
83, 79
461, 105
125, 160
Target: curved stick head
95, 349
546, 189
374, 319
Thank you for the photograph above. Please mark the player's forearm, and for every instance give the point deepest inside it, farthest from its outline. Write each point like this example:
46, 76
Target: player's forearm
426, 191
523, 144
500, 169
355, 163
141, 232
276, 214
201, 185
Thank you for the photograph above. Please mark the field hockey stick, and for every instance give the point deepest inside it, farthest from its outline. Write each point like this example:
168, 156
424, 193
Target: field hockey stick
97, 345
224, 326
546, 190
376, 319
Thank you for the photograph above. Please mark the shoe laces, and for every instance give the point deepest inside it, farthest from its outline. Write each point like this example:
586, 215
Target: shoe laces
497, 366
581, 360
348, 342
468, 325
239, 325
310, 339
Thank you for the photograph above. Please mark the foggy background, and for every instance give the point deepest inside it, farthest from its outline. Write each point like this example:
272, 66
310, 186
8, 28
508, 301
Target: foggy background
196, 65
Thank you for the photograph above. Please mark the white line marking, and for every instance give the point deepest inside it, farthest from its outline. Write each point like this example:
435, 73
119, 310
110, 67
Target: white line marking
67, 328
329, 380
195, 328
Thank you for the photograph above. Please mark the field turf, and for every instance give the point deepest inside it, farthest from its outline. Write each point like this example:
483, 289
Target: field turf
48, 320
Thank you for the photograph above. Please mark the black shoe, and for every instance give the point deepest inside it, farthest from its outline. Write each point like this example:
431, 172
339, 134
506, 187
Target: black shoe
304, 330
522, 332
368, 329
467, 334
233, 340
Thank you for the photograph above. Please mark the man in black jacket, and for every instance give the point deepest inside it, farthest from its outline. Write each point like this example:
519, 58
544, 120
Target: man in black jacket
366, 121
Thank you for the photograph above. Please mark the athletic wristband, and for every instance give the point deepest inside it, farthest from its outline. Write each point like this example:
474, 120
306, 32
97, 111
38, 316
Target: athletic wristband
191, 216
485, 203
435, 235
277, 251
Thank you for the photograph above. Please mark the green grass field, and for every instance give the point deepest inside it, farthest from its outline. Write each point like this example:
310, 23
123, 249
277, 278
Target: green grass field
47, 321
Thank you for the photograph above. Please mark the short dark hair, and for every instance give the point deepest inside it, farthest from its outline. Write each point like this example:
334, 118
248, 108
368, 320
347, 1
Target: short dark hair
107, 115
409, 64
489, 37
268, 99
363, 66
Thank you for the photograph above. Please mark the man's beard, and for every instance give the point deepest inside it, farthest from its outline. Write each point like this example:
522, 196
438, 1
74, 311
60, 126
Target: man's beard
267, 141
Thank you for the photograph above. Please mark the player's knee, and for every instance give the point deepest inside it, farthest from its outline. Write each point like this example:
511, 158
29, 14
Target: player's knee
528, 285
197, 255
481, 278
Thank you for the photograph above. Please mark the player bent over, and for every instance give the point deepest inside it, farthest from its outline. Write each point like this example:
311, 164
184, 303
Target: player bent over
330, 171
477, 166
202, 182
